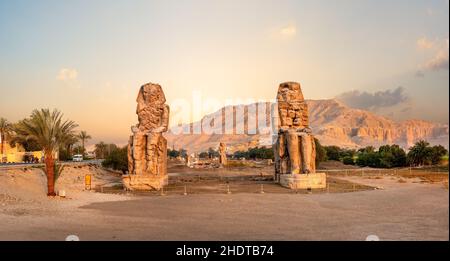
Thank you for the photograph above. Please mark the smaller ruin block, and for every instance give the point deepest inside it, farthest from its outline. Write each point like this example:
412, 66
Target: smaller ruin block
223, 154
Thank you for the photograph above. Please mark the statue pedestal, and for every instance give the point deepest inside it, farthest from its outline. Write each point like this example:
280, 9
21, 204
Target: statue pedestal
304, 181
145, 182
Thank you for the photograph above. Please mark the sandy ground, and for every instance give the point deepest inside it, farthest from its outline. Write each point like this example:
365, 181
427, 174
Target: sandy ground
399, 211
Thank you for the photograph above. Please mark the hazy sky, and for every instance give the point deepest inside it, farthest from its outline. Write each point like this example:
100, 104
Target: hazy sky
88, 58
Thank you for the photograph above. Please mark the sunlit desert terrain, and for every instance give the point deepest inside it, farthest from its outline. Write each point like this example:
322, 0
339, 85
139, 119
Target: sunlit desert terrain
389, 206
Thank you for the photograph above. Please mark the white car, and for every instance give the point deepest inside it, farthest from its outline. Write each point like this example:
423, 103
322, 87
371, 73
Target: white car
77, 157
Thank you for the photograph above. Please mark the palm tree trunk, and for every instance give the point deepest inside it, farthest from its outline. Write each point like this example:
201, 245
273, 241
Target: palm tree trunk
83, 146
50, 169
69, 150
3, 142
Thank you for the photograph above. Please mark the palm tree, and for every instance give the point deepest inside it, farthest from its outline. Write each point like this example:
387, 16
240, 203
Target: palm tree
419, 154
50, 131
100, 149
5, 132
71, 140
83, 136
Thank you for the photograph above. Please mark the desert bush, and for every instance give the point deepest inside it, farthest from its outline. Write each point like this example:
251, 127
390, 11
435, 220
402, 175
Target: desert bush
392, 156
240, 163
336, 153
173, 153
117, 159
176, 153
348, 160
368, 158
321, 152
437, 154
333, 152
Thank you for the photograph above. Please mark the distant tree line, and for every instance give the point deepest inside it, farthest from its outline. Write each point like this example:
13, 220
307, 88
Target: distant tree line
251, 153
173, 153
210, 154
255, 153
424, 154
116, 158
387, 156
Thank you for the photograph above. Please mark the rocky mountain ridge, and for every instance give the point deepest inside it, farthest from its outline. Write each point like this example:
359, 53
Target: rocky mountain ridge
332, 122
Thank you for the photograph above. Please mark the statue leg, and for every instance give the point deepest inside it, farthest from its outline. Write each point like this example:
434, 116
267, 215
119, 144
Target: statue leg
313, 155
152, 153
130, 156
161, 156
294, 152
281, 148
282, 163
307, 150
139, 144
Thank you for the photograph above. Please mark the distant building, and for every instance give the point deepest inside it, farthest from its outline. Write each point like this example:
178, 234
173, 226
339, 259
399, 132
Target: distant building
18, 154
90, 155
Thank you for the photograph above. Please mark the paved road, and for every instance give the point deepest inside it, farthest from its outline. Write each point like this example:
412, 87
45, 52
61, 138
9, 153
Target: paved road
21, 165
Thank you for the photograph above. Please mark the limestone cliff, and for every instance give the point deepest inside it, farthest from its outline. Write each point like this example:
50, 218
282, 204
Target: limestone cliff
332, 122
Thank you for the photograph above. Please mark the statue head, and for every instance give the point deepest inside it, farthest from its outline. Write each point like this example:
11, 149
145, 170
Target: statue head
151, 94
290, 92
292, 108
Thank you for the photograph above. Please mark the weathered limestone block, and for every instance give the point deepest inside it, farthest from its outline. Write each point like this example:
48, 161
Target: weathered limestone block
295, 150
304, 181
190, 160
144, 182
223, 154
147, 147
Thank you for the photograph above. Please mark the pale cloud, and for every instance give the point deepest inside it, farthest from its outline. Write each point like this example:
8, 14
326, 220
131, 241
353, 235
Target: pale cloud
424, 43
66, 74
440, 60
374, 101
289, 31
430, 12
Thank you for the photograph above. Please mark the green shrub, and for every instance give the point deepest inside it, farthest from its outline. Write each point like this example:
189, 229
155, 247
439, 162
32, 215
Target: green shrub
348, 160
255, 153
333, 152
321, 152
117, 159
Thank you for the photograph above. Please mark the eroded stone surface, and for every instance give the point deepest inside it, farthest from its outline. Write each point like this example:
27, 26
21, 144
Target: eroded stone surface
304, 181
295, 151
147, 148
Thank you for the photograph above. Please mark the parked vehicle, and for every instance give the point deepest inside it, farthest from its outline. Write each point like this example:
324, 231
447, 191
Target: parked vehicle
77, 157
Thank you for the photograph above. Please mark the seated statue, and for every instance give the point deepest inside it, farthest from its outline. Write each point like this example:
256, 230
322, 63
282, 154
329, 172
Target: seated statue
295, 147
147, 147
